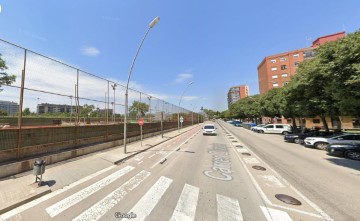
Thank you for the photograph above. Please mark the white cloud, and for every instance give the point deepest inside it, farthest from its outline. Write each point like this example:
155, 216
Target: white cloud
90, 51
183, 77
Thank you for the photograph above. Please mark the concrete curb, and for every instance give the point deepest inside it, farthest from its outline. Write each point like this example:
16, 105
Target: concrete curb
39, 192
141, 151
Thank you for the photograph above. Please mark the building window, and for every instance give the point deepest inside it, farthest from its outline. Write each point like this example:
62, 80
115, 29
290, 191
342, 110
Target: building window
309, 54
275, 84
296, 55
274, 76
283, 67
284, 75
316, 121
274, 68
282, 59
296, 64
273, 61
285, 83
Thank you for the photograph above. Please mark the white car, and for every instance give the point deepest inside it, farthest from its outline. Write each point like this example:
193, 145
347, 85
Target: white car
322, 142
255, 128
275, 129
209, 129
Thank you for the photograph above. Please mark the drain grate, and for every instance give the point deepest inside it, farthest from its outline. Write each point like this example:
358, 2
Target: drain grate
231, 138
259, 168
239, 146
234, 141
287, 199
247, 154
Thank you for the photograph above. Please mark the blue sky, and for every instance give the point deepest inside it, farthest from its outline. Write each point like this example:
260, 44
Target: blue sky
216, 44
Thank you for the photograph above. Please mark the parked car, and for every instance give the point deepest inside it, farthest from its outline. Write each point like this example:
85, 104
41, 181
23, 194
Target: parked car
322, 142
209, 129
255, 128
237, 123
348, 150
299, 138
276, 129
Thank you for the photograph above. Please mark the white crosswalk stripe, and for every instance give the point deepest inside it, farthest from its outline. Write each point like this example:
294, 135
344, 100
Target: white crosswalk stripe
147, 203
103, 206
186, 206
275, 215
228, 209
84, 193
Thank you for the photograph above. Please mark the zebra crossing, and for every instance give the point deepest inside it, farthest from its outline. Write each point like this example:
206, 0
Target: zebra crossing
228, 208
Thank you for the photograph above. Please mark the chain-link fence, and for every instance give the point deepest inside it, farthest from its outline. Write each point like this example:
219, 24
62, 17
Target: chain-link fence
50, 94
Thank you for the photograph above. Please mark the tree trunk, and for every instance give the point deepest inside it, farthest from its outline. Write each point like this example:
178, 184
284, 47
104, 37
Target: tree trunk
326, 127
295, 130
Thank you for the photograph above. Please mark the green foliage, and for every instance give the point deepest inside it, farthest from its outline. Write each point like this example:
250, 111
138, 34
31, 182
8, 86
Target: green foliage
4, 77
3, 113
26, 112
248, 107
138, 109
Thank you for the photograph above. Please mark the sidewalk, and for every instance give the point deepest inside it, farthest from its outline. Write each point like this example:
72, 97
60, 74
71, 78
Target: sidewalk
18, 191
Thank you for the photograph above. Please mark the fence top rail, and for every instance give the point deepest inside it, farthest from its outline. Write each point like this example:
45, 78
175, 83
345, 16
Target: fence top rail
85, 72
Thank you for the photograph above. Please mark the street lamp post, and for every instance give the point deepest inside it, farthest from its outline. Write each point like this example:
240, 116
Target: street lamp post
150, 108
178, 118
114, 87
151, 25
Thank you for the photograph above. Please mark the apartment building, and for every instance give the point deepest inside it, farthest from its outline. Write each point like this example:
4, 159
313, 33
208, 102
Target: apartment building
236, 93
11, 108
276, 70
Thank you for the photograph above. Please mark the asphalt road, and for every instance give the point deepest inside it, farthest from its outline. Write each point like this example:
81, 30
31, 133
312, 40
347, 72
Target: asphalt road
332, 183
196, 177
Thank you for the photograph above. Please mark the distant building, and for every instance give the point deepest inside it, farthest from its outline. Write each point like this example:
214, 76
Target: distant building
236, 93
276, 70
11, 108
55, 108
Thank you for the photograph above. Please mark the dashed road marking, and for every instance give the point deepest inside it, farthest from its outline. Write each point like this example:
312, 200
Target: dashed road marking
186, 205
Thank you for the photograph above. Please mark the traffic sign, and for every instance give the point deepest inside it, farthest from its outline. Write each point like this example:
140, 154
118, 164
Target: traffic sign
141, 121
181, 119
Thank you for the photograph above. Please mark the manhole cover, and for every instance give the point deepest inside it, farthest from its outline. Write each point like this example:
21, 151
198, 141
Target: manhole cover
239, 146
287, 199
259, 168
247, 154
234, 141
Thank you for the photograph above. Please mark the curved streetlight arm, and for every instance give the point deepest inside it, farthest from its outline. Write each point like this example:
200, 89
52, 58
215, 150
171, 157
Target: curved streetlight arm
151, 25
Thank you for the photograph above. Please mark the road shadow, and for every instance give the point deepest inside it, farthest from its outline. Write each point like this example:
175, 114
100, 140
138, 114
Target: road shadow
353, 164
50, 183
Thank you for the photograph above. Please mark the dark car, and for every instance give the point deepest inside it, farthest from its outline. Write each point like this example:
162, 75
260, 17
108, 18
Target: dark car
299, 138
348, 150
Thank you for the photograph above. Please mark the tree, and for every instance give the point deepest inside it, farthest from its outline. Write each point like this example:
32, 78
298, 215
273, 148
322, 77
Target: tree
4, 77
26, 112
86, 110
3, 113
138, 109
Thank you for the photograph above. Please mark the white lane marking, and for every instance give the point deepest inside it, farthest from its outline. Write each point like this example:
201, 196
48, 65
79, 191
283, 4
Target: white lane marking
68, 202
228, 208
33, 203
171, 152
186, 205
242, 150
106, 204
272, 181
147, 203
139, 158
267, 201
152, 155
275, 215
140, 162
251, 160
